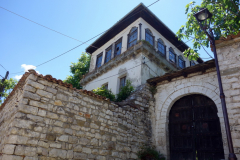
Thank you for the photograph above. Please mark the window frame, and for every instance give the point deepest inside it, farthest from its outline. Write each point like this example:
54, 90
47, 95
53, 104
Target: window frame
160, 41
192, 62
124, 78
99, 55
106, 50
132, 31
149, 32
117, 42
105, 85
175, 56
180, 58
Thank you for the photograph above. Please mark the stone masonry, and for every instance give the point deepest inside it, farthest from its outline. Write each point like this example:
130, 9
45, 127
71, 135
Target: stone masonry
45, 120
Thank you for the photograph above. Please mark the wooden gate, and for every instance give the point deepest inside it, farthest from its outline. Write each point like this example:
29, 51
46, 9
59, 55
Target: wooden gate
194, 130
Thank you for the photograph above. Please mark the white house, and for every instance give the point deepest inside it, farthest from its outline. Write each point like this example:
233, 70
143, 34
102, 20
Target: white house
136, 48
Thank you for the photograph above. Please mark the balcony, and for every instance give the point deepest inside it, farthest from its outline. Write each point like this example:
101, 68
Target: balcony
141, 47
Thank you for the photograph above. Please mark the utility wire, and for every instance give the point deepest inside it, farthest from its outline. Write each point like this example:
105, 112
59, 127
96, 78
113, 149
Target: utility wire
43, 25
78, 45
3, 67
2, 76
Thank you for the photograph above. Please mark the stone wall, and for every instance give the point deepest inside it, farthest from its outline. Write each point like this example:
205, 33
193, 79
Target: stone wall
229, 62
50, 121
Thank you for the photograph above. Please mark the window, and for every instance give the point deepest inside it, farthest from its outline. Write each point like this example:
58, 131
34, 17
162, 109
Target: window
118, 47
122, 82
172, 55
181, 62
149, 36
105, 85
192, 63
99, 60
108, 54
132, 37
161, 47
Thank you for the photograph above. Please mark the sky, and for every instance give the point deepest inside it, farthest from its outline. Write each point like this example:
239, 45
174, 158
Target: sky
25, 45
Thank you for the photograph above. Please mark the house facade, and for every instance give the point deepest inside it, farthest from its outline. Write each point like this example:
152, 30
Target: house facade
136, 48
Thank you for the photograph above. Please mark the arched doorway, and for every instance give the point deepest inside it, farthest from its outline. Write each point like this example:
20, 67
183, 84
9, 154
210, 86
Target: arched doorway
194, 129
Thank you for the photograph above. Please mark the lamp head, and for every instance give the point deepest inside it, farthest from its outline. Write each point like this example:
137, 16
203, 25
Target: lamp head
203, 15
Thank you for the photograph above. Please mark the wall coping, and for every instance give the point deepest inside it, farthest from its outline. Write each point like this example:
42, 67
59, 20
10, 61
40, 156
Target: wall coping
48, 78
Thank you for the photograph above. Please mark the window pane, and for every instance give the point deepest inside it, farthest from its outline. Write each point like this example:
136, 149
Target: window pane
132, 39
99, 61
118, 48
181, 63
106, 86
108, 55
192, 63
161, 48
122, 82
149, 38
172, 57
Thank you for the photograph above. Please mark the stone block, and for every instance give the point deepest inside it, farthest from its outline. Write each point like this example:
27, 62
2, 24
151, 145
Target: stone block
58, 103
44, 93
35, 118
29, 88
8, 149
45, 82
35, 84
70, 154
15, 139
37, 104
62, 97
20, 123
51, 90
103, 152
58, 153
79, 155
84, 141
43, 144
19, 150
86, 150
30, 151
28, 109
42, 113
11, 157
52, 115
77, 148
63, 138
55, 145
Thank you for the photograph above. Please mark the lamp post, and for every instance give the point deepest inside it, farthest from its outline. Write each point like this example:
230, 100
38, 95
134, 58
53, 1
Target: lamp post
202, 17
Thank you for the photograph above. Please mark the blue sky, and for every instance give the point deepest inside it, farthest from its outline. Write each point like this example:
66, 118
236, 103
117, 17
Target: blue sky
24, 44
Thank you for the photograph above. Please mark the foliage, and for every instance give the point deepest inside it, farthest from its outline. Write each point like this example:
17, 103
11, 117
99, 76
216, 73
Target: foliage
225, 21
78, 70
9, 85
102, 91
125, 91
149, 153
153, 89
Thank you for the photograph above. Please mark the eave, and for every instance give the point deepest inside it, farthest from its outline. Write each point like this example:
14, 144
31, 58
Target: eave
183, 72
140, 11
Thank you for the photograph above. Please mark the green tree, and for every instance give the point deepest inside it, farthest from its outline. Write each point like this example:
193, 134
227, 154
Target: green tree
8, 84
225, 21
125, 91
102, 91
78, 70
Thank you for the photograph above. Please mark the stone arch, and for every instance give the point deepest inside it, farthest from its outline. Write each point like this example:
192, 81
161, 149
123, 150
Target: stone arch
163, 108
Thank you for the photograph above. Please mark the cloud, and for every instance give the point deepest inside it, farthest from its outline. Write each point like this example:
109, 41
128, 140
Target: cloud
26, 68
18, 77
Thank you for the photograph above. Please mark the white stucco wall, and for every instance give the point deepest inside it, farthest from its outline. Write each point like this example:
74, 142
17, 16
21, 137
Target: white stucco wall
131, 69
124, 34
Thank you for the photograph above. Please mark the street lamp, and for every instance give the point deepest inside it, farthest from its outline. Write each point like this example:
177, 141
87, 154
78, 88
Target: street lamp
202, 17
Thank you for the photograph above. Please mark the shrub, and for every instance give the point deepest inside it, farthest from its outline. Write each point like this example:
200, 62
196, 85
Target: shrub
149, 153
125, 91
102, 91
